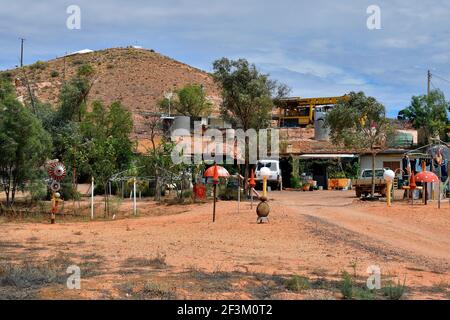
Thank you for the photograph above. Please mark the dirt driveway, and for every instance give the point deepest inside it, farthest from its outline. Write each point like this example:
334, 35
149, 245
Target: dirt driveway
182, 254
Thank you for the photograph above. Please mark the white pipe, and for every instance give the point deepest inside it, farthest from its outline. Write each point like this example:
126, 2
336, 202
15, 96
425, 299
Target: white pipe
134, 196
92, 198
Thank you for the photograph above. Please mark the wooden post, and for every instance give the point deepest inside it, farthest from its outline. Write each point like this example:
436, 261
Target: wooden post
54, 208
239, 192
214, 205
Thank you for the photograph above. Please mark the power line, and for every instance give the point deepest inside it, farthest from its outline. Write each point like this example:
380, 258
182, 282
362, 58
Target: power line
441, 78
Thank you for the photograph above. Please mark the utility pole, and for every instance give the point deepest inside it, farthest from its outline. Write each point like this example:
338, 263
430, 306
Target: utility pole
21, 51
429, 83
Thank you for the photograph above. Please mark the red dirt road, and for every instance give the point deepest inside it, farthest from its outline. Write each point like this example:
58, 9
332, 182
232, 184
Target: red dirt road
315, 234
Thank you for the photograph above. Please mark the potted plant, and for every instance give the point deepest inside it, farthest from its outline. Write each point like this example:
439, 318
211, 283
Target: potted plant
338, 180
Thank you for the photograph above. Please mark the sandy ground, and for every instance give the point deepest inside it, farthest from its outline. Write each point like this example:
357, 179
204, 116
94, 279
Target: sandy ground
312, 234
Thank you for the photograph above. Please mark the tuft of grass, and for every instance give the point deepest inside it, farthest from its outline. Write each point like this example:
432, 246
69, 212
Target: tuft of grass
152, 290
39, 65
351, 290
158, 262
347, 286
28, 275
395, 291
297, 283
363, 294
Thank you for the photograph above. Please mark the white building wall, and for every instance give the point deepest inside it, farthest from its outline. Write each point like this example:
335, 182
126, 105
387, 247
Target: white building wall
366, 160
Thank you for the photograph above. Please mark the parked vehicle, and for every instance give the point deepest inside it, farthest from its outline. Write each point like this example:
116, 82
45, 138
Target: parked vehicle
275, 180
363, 185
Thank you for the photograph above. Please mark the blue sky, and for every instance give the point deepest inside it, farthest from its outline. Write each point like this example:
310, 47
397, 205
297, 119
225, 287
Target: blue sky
318, 48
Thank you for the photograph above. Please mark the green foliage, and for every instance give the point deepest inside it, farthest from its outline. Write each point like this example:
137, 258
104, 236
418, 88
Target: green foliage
347, 286
190, 101
297, 283
247, 94
39, 65
295, 183
6, 88
395, 291
38, 189
85, 70
337, 175
68, 191
108, 148
359, 122
428, 113
77, 62
45, 113
24, 144
72, 100
54, 74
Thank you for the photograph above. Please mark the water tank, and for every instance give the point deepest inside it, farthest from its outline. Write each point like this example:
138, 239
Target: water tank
320, 132
181, 126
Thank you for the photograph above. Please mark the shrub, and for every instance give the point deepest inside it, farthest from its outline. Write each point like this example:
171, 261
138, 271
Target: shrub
295, 183
38, 190
85, 70
77, 62
347, 285
39, 65
297, 283
68, 192
395, 291
337, 175
54, 74
153, 290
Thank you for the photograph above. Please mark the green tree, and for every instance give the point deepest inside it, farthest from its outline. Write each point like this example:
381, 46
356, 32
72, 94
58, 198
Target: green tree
247, 96
120, 126
73, 96
189, 101
360, 123
24, 144
428, 113
107, 146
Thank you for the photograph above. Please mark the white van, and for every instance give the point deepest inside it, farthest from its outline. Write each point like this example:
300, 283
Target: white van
275, 179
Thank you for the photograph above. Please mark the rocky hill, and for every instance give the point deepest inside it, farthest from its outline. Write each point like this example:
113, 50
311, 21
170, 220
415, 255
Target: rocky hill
136, 77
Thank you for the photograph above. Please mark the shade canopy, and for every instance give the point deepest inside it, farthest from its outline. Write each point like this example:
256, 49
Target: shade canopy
426, 176
222, 172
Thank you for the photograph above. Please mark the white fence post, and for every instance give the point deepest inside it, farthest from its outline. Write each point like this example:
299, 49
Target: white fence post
134, 196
